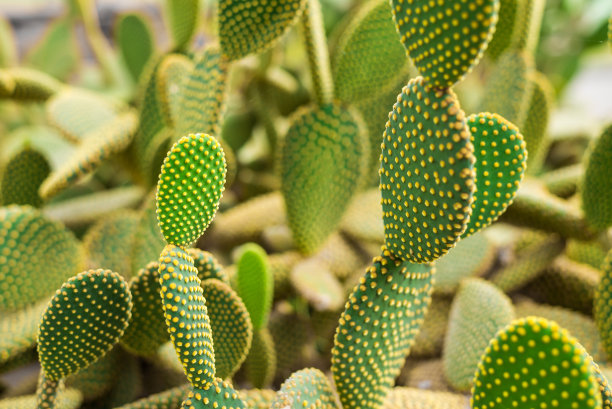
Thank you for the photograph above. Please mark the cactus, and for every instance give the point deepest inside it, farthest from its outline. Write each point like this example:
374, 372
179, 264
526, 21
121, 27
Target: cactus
183, 20
22, 177
595, 206
410, 398
135, 54
602, 305
308, 388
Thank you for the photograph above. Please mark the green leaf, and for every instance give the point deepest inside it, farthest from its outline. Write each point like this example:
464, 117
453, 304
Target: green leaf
596, 187
255, 283
22, 177
427, 173
306, 389
63, 347
136, 43
190, 186
183, 20
445, 39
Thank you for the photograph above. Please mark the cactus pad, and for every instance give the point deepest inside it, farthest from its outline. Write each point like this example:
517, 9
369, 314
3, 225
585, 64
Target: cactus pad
536, 121
231, 326
169, 399
261, 362
208, 266
255, 283
377, 328
509, 12
535, 363
24, 84
324, 158
445, 39
412, 398
603, 305
306, 389
64, 346
596, 186
36, 256
313, 280
218, 394
172, 74
148, 240
135, 41
19, 330
190, 186
66, 399
427, 173
501, 160
183, 19
22, 176
247, 27
186, 315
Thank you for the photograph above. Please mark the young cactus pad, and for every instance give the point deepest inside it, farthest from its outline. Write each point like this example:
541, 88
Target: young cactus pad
81, 324
501, 159
596, 186
377, 328
535, 363
21, 178
603, 305
446, 38
427, 173
190, 186
306, 389
208, 266
183, 19
255, 283
186, 315
217, 394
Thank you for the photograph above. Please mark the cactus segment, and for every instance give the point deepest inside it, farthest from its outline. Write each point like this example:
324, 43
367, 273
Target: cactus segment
172, 75
324, 160
65, 399
231, 326
247, 27
314, 281
24, 84
534, 362
147, 330
208, 267
135, 40
377, 328
186, 315
183, 20
148, 240
430, 339
218, 394
478, 311
169, 399
101, 145
445, 39
596, 186
306, 389
603, 305
190, 186
369, 56
19, 330
63, 347
412, 398
501, 159
527, 33
8, 45
22, 177
36, 256
363, 218
260, 364
97, 379
604, 387
56, 53
536, 121
255, 283
259, 398
510, 12
427, 173
592, 253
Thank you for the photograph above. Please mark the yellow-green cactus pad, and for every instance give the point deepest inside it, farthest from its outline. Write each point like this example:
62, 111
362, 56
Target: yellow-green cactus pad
314, 281
100, 302
445, 39
260, 364
202, 102
501, 159
363, 218
108, 243
147, 330
231, 326
471, 257
19, 330
186, 315
596, 187
340, 257
169, 399
36, 256
8, 45
592, 252
290, 334
102, 144
324, 159
563, 182
479, 310
136, 43
247, 27
427, 374
171, 78
429, 340
218, 394
603, 305
427, 173
255, 283
148, 240
369, 56
208, 267
412, 398
183, 20
536, 120
22, 177
258, 398
306, 389
97, 379
509, 15
509, 88
78, 113
66, 399
190, 186
527, 34
57, 51
377, 328
535, 363
24, 84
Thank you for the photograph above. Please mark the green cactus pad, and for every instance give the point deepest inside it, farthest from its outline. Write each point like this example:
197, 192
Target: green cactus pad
314, 281
218, 394
427, 173
290, 334
47, 391
172, 73
203, 96
604, 387
63, 346
445, 39
230, 324
324, 159
255, 283
509, 14
596, 187
147, 331
429, 340
258, 398
339, 257
369, 55
501, 159
183, 20
509, 88
169, 399
22, 177
108, 243
535, 363
250, 27
412, 398
592, 253
19, 330
148, 240
536, 121
478, 311
208, 267
377, 328
190, 186
24, 84
78, 113
36, 256
363, 218
563, 182
527, 34
8, 45
56, 52
306, 389
603, 305
186, 315
136, 43
261, 362
66, 399
97, 379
